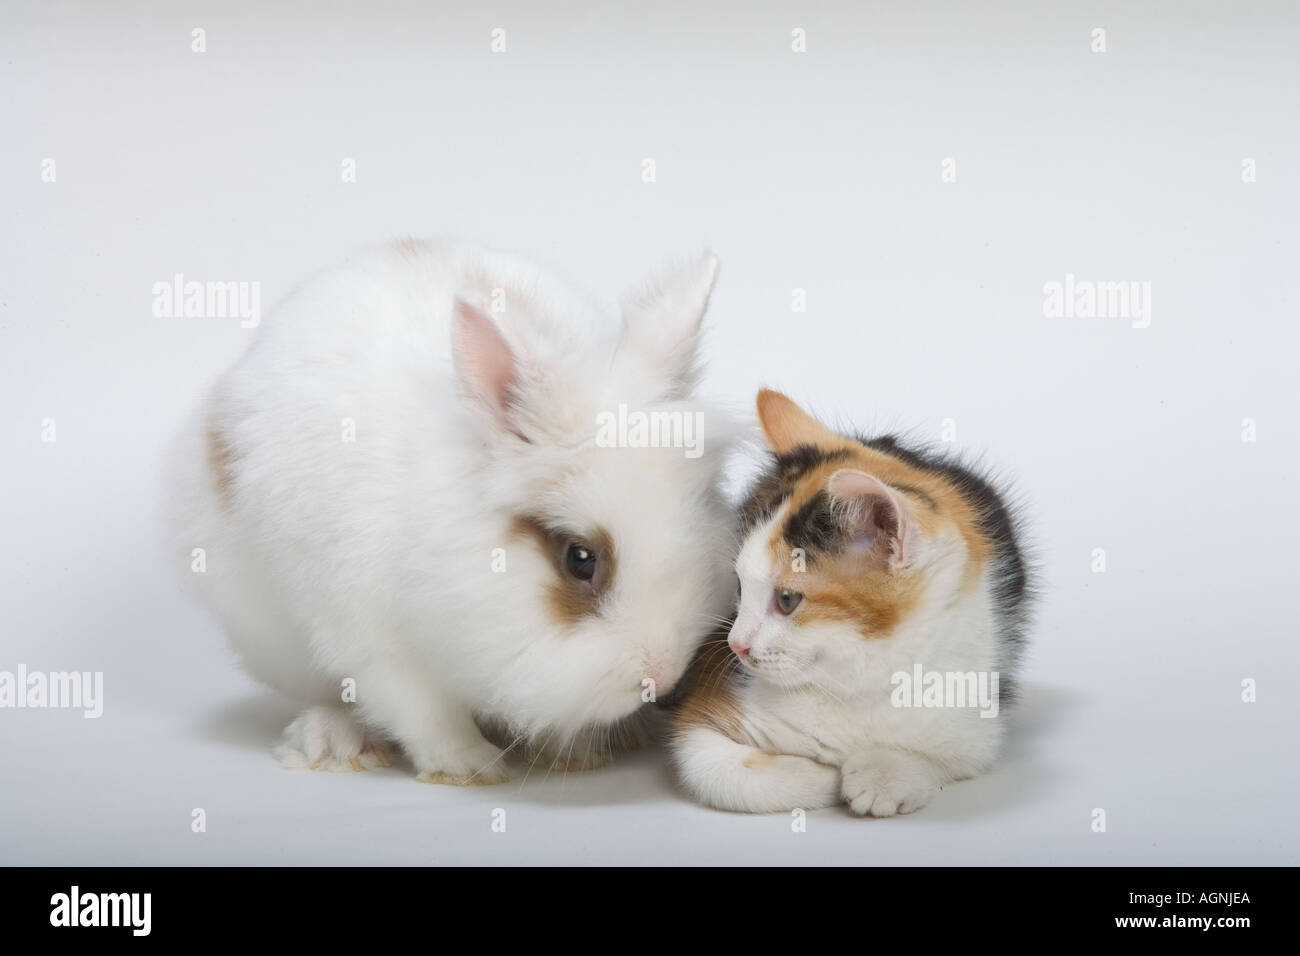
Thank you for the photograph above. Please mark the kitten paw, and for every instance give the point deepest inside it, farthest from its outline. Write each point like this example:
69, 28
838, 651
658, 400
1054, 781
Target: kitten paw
327, 738
882, 784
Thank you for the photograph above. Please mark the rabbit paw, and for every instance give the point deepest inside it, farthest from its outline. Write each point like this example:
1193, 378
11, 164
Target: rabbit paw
479, 766
327, 738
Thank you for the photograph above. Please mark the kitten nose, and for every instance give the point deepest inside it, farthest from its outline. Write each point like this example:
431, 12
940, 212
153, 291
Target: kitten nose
742, 637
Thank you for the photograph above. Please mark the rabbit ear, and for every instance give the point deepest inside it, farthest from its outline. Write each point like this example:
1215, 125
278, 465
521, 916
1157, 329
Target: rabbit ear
662, 323
485, 363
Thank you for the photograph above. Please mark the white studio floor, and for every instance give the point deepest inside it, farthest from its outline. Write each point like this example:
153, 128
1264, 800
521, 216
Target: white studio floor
122, 790
925, 311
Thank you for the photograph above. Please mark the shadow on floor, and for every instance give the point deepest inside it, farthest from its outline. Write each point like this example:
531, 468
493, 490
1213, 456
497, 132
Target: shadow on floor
1021, 776
253, 722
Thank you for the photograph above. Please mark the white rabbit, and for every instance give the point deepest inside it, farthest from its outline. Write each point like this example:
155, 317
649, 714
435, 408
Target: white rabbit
402, 490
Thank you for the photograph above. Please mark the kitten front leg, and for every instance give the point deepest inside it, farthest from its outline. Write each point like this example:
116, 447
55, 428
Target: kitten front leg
436, 730
733, 776
882, 782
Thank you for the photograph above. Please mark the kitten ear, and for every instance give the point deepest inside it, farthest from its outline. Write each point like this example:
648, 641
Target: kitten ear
485, 364
663, 322
787, 426
875, 509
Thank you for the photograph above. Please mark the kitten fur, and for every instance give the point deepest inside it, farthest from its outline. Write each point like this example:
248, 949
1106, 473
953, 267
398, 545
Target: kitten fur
903, 558
384, 490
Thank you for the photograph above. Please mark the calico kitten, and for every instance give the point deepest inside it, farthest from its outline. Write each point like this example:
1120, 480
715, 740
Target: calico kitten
882, 609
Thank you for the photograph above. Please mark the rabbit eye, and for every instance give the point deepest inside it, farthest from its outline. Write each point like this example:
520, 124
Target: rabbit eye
584, 563
580, 561
787, 601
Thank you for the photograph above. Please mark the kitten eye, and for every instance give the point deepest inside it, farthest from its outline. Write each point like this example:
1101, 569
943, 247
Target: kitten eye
787, 601
580, 561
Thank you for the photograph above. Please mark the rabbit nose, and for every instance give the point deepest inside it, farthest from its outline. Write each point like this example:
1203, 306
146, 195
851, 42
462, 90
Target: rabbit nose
661, 674
655, 679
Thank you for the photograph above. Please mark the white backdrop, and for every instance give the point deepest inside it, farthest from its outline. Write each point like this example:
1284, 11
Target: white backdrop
822, 171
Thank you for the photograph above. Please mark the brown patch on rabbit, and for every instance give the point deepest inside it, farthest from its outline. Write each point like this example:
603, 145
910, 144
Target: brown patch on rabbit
220, 459
571, 598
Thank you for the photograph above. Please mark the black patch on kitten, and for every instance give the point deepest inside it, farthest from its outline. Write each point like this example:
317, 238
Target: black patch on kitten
778, 481
814, 528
